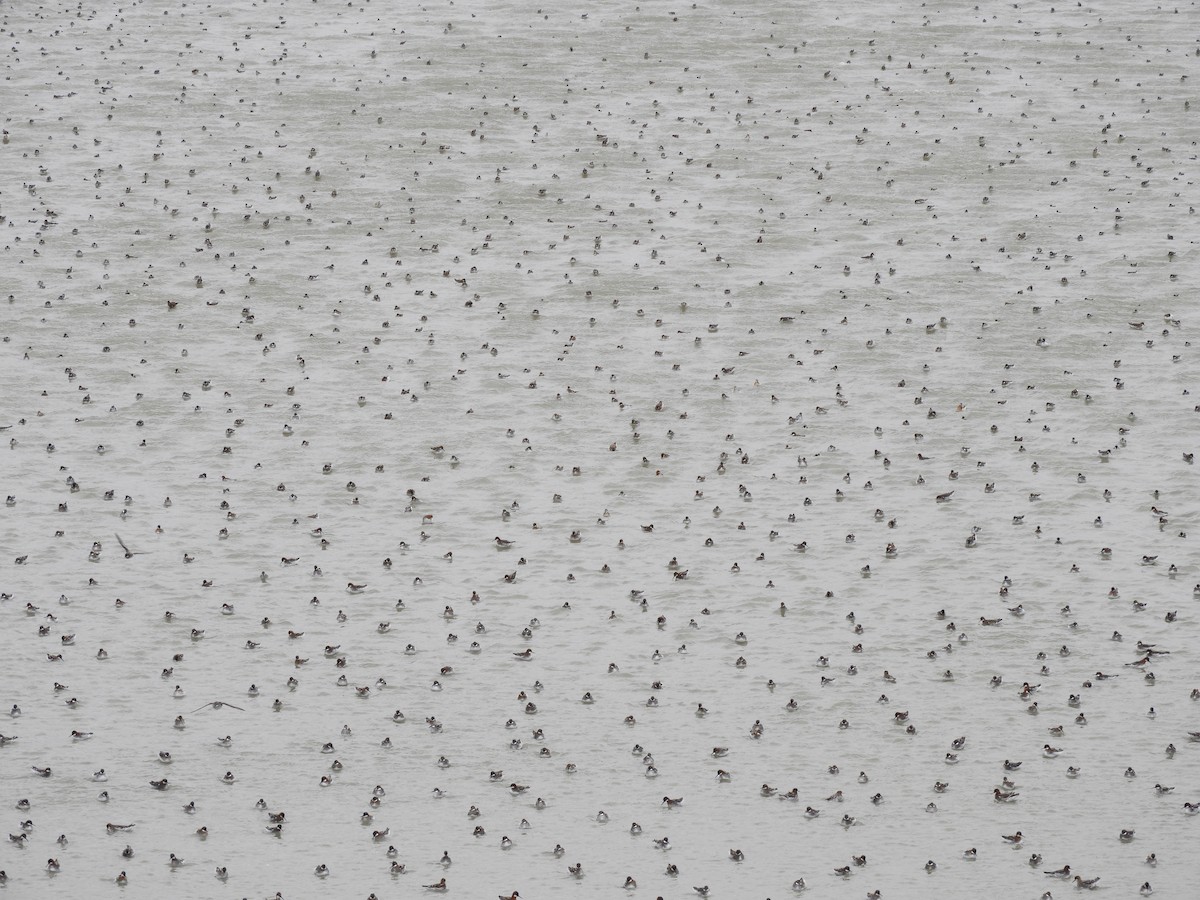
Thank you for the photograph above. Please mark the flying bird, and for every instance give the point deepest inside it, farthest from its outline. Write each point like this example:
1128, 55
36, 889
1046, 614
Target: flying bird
217, 704
129, 554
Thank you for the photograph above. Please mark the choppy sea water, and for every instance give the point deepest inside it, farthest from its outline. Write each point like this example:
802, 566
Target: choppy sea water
761, 279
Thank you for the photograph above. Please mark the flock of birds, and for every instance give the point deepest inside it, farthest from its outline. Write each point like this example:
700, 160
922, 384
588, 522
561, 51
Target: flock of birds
617, 459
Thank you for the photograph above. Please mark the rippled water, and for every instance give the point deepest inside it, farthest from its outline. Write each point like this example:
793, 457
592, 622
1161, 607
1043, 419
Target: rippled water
735, 266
